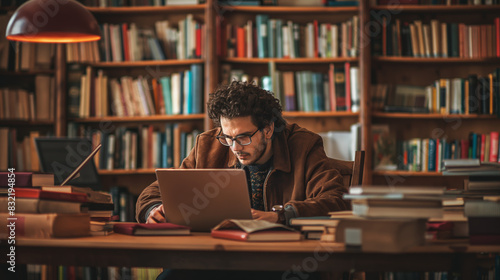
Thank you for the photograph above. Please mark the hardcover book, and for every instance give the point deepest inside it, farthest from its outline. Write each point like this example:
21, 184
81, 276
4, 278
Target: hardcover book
151, 229
254, 230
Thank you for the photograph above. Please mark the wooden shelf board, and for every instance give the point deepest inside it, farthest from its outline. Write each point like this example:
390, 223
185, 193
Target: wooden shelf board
405, 173
14, 122
439, 8
155, 118
288, 9
319, 114
407, 59
148, 9
146, 63
127, 171
290, 60
430, 116
26, 73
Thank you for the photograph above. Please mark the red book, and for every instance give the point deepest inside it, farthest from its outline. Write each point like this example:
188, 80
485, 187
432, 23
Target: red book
497, 32
240, 42
50, 195
347, 69
493, 153
151, 229
464, 146
254, 230
267, 235
21, 179
126, 48
198, 40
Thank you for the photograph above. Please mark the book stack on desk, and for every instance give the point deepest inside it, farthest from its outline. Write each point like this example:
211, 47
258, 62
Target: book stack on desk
389, 219
33, 212
484, 219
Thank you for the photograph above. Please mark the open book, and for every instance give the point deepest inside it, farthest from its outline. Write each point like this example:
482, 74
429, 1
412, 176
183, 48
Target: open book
254, 230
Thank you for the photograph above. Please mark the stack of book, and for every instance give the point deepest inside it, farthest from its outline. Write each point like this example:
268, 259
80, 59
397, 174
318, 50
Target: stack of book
477, 170
317, 228
99, 207
484, 220
33, 212
389, 219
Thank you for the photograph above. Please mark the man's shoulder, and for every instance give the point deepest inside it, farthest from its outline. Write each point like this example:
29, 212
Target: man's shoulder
294, 132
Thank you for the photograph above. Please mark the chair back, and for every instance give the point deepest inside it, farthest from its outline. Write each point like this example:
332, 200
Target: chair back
352, 171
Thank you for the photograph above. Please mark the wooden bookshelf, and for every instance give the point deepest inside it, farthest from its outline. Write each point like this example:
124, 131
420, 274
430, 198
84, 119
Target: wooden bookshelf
424, 71
300, 60
200, 8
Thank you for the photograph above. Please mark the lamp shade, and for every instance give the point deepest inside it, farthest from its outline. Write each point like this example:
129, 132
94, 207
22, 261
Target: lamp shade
52, 21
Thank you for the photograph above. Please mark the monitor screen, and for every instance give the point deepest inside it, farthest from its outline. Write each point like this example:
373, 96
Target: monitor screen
61, 156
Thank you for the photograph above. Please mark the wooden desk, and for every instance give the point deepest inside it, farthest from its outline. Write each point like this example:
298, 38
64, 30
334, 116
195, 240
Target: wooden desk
200, 251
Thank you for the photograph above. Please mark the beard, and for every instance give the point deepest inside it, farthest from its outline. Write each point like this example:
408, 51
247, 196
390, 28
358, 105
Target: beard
259, 151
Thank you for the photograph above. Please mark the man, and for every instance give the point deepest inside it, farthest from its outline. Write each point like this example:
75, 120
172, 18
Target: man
287, 168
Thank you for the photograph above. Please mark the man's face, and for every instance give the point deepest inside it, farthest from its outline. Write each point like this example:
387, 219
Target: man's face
256, 152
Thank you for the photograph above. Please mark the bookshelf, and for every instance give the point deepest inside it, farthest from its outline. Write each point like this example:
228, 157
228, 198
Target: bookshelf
425, 69
374, 68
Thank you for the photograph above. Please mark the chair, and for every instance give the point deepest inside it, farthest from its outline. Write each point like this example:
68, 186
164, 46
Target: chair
352, 171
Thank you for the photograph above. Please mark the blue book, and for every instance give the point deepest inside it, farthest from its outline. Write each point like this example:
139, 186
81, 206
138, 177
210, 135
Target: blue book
197, 88
271, 38
318, 99
266, 83
474, 145
432, 155
261, 22
188, 93
181, 97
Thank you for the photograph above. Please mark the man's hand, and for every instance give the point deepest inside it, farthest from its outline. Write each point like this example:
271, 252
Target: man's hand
262, 215
157, 215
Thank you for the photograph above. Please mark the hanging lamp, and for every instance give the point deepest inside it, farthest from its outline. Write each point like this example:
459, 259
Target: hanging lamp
52, 21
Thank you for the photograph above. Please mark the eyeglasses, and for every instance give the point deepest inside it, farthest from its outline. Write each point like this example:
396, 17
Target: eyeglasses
242, 139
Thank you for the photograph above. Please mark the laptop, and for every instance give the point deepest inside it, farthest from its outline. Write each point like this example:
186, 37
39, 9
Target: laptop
202, 198
64, 157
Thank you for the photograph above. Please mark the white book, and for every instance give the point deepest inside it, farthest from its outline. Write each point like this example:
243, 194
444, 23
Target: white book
117, 105
335, 40
249, 35
142, 95
355, 89
129, 98
456, 96
310, 40
181, 51
176, 93
286, 41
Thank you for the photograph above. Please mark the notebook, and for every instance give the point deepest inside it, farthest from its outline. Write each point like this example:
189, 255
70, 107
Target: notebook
202, 198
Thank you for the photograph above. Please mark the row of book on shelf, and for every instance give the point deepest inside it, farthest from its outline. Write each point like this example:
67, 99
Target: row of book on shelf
142, 147
167, 40
18, 151
28, 104
99, 96
25, 57
277, 38
307, 91
39, 271
472, 95
437, 39
429, 154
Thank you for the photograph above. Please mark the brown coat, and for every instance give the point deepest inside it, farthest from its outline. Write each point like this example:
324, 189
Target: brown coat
302, 174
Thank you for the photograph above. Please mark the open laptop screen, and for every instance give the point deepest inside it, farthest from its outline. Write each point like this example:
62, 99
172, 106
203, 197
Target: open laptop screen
62, 156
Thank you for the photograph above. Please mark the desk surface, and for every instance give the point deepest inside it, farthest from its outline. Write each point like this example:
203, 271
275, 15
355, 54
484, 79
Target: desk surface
200, 251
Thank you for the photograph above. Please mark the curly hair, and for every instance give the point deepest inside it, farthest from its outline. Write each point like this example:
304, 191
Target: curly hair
241, 99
